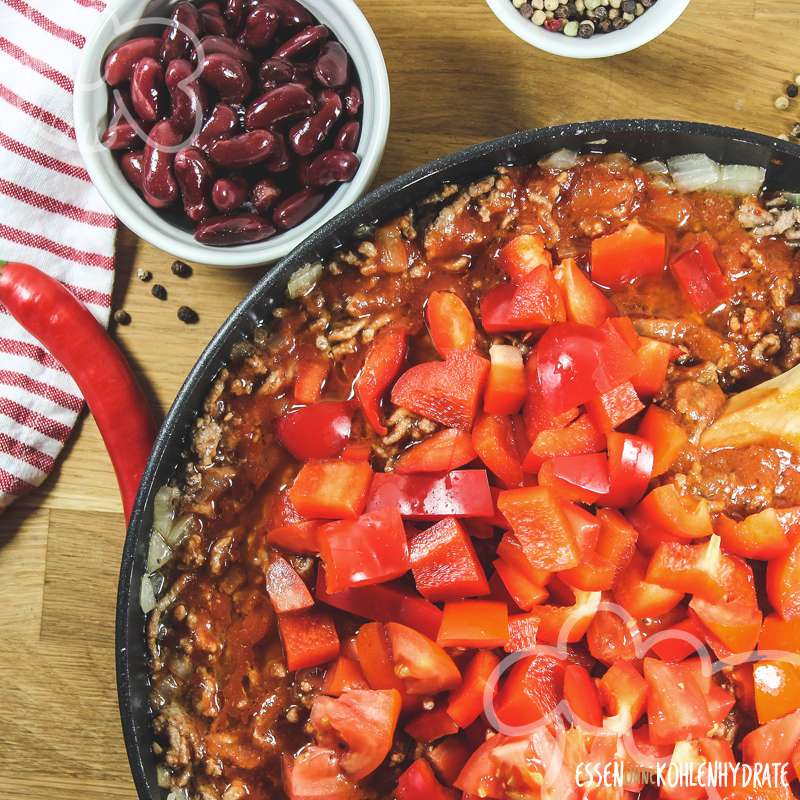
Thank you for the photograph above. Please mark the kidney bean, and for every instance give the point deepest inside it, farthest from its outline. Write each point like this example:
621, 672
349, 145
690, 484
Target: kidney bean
188, 97
353, 100
175, 42
132, 165
275, 71
214, 23
304, 43
304, 74
281, 158
332, 166
228, 47
228, 194
348, 136
308, 135
158, 179
228, 76
234, 13
297, 208
121, 136
120, 63
260, 27
234, 229
332, 65
264, 194
120, 103
222, 124
195, 175
293, 15
147, 84
242, 151
282, 103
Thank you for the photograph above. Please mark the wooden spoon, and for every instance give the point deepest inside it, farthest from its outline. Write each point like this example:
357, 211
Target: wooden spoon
767, 413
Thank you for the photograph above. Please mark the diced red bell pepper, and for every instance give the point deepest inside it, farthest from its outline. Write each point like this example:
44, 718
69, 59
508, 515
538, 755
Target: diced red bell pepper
676, 648
507, 387
777, 688
511, 551
559, 624
522, 255
530, 305
585, 303
623, 692
465, 703
344, 674
668, 515
779, 634
494, 442
331, 489
462, 493
450, 323
358, 450
309, 638
630, 468
286, 589
448, 757
536, 413
610, 409
630, 253
445, 564
474, 623
372, 549
654, 358
758, 536
585, 527
580, 692
384, 603
315, 432
419, 783
541, 527
699, 276
667, 438
300, 537
783, 580
522, 629
531, 690
582, 479
625, 328
310, 379
640, 598
774, 742
578, 438
443, 451
428, 726
521, 589
577, 362
448, 392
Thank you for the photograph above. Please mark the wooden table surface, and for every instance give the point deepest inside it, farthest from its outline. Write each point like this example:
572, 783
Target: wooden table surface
458, 77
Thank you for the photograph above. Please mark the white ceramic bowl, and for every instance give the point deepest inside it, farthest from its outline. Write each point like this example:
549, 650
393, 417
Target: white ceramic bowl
119, 22
643, 30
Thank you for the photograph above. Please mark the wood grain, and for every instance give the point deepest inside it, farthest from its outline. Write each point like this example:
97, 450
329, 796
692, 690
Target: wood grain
458, 77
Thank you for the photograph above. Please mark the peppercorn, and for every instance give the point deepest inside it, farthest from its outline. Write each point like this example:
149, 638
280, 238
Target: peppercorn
571, 28
188, 315
586, 29
159, 292
561, 12
628, 6
782, 102
526, 9
604, 26
554, 25
122, 317
600, 13
144, 275
619, 23
648, 3
181, 269
791, 90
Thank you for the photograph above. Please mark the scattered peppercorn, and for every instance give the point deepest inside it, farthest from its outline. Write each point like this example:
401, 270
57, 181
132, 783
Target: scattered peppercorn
589, 16
122, 317
792, 90
144, 275
188, 315
159, 291
782, 102
181, 269
586, 29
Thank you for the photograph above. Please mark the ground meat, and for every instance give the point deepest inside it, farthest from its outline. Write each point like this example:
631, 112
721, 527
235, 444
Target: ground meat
182, 736
695, 396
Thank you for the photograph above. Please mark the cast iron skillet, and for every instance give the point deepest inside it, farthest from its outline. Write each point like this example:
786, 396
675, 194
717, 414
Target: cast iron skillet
642, 139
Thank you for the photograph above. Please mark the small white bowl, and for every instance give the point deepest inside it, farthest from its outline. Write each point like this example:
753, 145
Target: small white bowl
118, 23
644, 29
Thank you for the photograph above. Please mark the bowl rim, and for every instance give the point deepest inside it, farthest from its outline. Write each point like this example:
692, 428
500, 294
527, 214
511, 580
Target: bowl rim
459, 165
127, 204
601, 46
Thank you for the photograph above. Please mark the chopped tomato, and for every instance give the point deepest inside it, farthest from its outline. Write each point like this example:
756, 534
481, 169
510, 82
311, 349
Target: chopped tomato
507, 388
382, 364
640, 598
630, 468
667, 515
444, 451
331, 489
362, 721
541, 527
610, 639
623, 692
450, 323
359, 450
530, 305
419, 783
314, 774
627, 331
462, 493
783, 580
654, 359
760, 535
582, 479
521, 589
494, 442
699, 276
580, 692
577, 362
559, 624
674, 647
448, 757
371, 549
316, 431
286, 589
448, 392
465, 703
422, 665
774, 742
474, 623
699, 569
578, 438
585, 303
522, 255
630, 253
733, 626
530, 690
779, 634
309, 638
375, 660
310, 379
345, 673
479, 777
666, 437
610, 409
428, 726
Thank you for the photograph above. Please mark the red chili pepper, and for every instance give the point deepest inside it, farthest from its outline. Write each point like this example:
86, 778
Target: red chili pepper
51, 314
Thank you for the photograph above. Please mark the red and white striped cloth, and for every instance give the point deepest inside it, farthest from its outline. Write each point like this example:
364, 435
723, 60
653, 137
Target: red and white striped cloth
50, 216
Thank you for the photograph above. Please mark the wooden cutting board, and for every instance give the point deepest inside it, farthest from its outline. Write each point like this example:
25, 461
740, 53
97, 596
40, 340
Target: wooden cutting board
458, 77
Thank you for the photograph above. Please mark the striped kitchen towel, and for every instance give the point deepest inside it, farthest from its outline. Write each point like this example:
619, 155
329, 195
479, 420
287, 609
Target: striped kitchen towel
50, 216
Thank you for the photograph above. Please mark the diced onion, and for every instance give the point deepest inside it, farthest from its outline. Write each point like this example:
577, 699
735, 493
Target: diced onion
163, 778
158, 554
792, 198
693, 172
179, 530
655, 168
304, 280
147, 597
561, 159
178, 794
164, 504
740, 179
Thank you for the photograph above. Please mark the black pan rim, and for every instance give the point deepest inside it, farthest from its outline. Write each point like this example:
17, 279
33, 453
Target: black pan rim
405, 190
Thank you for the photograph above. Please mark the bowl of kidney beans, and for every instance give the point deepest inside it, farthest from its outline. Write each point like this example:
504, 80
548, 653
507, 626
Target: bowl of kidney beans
226, 131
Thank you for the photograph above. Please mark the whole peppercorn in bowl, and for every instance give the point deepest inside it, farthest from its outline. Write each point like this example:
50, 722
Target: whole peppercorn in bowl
587, 28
